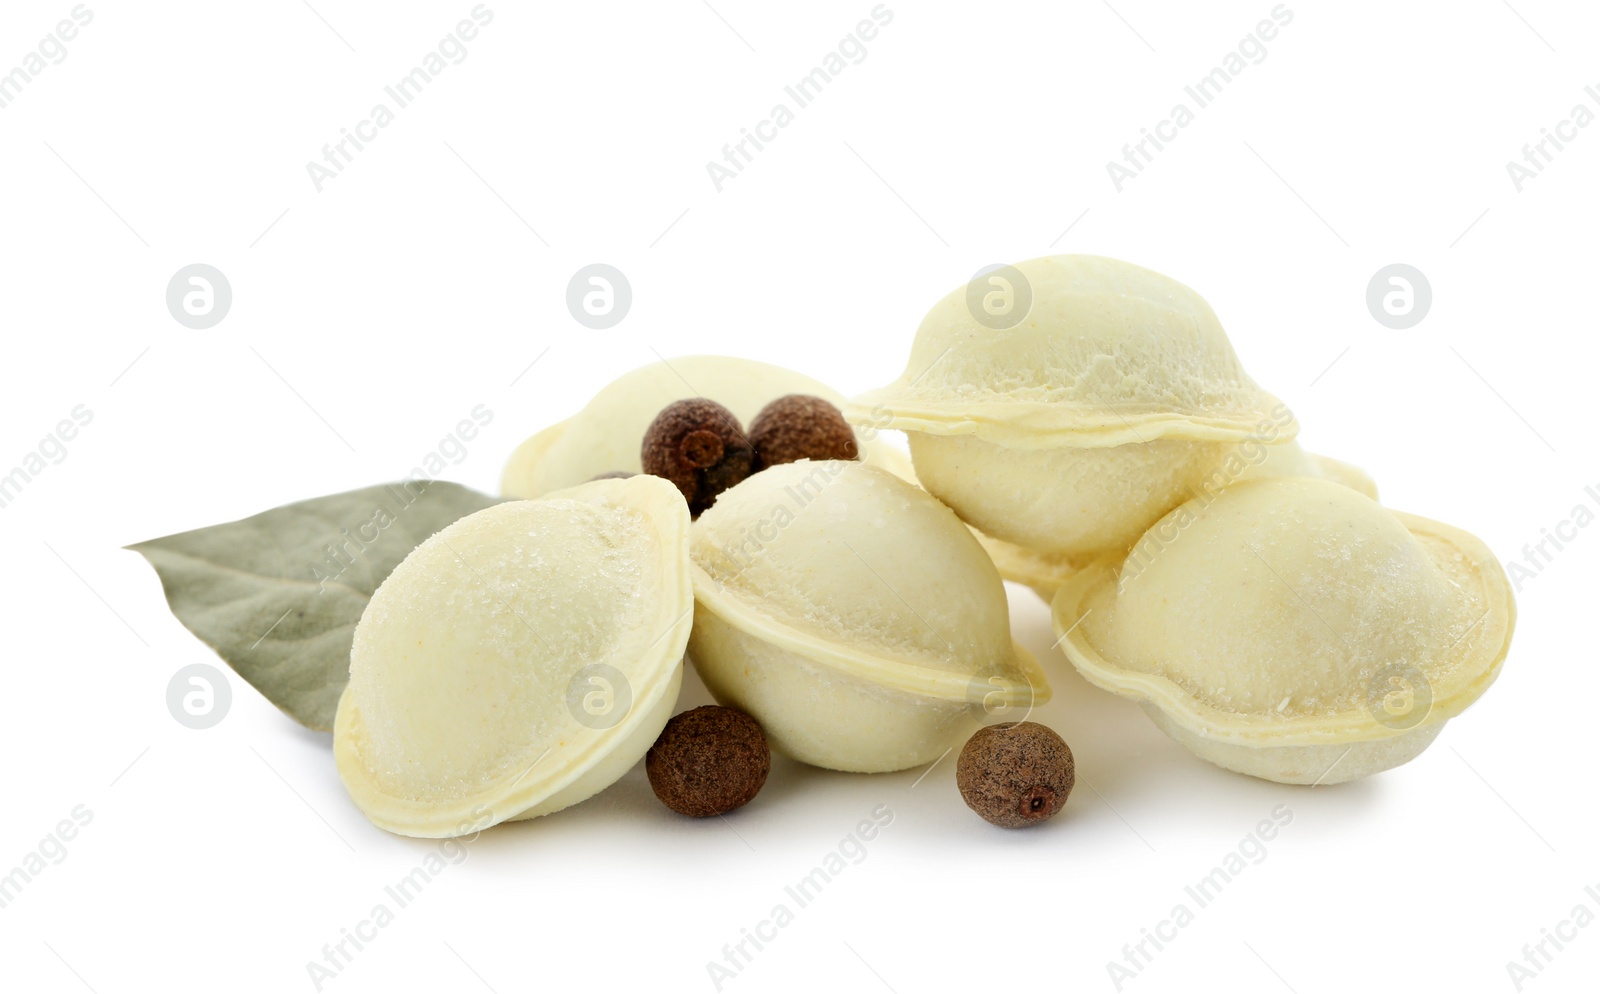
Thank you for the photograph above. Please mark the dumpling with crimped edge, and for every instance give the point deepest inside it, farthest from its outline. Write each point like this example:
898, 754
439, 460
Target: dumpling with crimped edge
854, 616
606, 436
1108, 353
520, 660
1293, 629
1074, 429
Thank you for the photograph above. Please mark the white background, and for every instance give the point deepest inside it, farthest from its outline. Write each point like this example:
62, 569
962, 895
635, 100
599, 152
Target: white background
371, 317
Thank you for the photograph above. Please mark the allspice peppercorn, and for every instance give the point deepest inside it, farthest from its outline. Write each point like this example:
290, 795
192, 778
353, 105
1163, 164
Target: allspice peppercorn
708, 761
1015, 774
799, 426
698, 446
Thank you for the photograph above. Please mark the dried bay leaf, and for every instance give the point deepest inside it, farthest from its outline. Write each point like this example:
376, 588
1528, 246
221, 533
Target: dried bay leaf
278, 594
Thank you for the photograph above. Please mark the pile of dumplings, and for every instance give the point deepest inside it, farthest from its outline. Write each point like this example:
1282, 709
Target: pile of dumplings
1106, 449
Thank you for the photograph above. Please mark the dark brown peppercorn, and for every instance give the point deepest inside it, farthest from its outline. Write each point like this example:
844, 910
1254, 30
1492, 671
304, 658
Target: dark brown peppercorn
800, 426
699, 447
708, 761
1015, 774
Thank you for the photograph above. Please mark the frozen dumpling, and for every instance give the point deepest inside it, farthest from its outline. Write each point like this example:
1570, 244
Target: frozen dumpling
1098, 411
1293, 629
518, 661
854, 616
